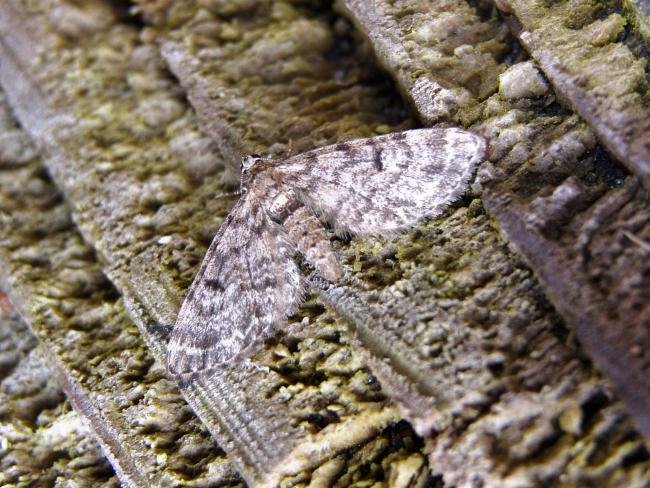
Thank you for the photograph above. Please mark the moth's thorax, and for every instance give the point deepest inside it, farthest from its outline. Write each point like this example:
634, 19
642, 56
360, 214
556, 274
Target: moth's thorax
258, 174
284, 207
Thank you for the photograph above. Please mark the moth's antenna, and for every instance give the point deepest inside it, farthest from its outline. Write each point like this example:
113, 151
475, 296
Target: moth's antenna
229, 194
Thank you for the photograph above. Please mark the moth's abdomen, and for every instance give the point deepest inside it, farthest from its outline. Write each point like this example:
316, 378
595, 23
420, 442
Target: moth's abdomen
311, 239
309, 236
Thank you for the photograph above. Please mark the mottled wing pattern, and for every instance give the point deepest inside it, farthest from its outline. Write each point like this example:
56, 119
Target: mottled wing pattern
387, 183
248, 283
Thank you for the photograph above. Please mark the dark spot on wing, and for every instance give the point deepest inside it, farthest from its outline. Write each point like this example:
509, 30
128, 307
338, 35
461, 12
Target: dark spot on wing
258, 228
377, 158
268, 282
343, 147
233, 251
214, 283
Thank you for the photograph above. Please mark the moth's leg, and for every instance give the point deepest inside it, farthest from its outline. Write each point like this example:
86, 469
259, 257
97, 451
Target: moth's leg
307, 233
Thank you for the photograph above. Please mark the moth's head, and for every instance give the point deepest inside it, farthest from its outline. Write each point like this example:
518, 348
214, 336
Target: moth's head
247, 163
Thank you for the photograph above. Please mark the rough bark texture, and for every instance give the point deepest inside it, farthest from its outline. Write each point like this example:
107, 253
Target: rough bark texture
455, 326
138, 174
145, 427
443, 55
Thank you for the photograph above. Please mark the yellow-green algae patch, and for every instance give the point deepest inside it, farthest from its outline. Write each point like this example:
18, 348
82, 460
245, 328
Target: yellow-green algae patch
237, 102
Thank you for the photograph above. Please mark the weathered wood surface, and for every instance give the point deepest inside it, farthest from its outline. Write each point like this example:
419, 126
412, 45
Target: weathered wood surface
596, 60
96, 353
141, 181
552, 189
275, 78
444, 56
188, 42
44, 442
473, 305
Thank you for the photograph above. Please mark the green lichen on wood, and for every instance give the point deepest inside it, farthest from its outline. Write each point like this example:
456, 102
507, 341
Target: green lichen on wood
464, 336
270, 96
531, 133
638, 14
512, 121
292, 80
444, 56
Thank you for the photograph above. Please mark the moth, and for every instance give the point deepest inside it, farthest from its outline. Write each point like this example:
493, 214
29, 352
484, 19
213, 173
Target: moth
249, 282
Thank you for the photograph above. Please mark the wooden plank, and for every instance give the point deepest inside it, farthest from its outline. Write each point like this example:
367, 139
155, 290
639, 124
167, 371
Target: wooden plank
141, 180
580, 423
300, 67
43, 440
536, 160
595, 60
446, 57
95, 352
448, 317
